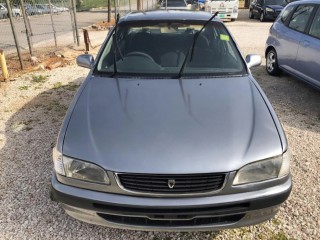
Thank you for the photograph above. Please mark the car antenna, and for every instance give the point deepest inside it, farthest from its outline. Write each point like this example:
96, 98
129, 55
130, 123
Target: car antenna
191, 49
116, 48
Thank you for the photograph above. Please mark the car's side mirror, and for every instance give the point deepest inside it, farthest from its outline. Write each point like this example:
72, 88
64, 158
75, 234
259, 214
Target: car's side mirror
85, 60
253, 60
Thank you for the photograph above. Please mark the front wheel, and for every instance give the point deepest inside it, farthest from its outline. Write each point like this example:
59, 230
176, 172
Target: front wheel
262, 18
233, 19
272, 63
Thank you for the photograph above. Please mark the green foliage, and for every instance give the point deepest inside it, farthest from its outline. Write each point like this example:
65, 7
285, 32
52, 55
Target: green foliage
39, 78
23, 88
57, 85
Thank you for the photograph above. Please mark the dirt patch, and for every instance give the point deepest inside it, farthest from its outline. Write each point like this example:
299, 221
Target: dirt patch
43, 60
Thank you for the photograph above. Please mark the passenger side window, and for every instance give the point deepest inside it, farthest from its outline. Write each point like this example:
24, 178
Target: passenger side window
286, 13
300, 17
315, 27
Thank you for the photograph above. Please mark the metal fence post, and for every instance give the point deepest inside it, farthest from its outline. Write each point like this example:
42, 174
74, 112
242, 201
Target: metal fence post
75, 20
109, 10
115, 10
72, 24
14, 34
52, 24
27, 26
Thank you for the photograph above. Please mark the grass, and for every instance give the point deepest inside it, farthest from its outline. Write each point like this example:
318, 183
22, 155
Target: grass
56, 107
72, 87
23, 88
88, 4
279, 236
39, 78
57, 85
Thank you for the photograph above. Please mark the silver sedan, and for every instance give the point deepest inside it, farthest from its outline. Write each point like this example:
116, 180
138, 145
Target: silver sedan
170, 131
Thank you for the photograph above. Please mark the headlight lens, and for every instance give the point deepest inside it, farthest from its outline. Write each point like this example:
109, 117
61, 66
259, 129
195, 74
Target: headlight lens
78, 169
285, 167
57, 161
269, 10
84, 171
264, 170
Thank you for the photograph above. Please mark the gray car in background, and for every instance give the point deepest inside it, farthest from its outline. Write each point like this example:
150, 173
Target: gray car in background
170, 131
293, 45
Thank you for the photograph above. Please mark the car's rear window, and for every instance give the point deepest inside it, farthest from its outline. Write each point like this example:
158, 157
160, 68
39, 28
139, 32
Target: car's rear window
160, 48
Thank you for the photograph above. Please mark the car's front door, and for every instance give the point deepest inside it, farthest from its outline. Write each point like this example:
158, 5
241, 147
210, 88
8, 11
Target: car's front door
289, 37
308, 57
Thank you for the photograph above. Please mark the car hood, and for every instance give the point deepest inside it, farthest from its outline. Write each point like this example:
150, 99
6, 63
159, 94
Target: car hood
275, 7
171, 126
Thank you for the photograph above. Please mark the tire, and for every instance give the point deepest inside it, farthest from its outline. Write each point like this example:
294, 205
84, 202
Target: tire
262, 18
251, 14
272, 66
233, 19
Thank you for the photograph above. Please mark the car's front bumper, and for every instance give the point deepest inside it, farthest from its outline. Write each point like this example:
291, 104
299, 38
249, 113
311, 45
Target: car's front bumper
171, 214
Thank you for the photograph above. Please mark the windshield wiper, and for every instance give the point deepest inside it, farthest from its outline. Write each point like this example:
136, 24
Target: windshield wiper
116, 48
191, 49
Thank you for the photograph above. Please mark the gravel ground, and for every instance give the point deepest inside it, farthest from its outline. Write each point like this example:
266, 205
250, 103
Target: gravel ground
32, 109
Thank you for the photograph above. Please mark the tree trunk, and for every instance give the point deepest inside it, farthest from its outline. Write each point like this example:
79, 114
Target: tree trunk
139, 5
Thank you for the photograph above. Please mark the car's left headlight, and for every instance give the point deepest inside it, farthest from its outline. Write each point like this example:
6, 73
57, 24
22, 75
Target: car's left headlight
264, 170
74, 168
269, 10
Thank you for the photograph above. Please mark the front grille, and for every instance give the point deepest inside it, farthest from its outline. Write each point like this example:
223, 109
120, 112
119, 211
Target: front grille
142, 221
172, 183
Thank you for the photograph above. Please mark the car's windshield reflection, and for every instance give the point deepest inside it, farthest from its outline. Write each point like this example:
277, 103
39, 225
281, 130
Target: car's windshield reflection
160, 48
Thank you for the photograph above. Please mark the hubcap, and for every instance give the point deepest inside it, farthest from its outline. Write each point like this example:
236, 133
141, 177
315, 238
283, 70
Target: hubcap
271, 60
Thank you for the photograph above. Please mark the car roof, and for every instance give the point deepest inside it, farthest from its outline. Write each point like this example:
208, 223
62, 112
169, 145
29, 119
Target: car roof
304, 2
167, 15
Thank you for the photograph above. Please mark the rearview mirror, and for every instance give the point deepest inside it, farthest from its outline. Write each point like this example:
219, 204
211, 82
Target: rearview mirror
253, 60
85, 60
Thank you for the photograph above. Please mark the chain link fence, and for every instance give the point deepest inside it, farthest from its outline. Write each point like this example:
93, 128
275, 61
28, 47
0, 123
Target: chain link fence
40, 26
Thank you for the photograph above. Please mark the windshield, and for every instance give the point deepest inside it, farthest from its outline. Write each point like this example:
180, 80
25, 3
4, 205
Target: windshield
276, 2
159, 48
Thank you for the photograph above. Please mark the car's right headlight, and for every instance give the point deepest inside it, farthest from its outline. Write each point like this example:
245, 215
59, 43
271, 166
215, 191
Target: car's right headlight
275, 167
74, 168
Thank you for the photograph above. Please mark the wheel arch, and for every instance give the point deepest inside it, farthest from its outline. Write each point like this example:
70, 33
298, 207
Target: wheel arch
268, 49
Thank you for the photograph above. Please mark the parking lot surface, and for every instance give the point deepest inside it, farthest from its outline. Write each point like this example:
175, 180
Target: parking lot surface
32, 109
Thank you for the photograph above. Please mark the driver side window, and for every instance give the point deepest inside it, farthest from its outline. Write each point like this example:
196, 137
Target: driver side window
300, 17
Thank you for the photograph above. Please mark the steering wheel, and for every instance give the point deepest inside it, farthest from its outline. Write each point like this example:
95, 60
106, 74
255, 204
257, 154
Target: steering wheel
140, 54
